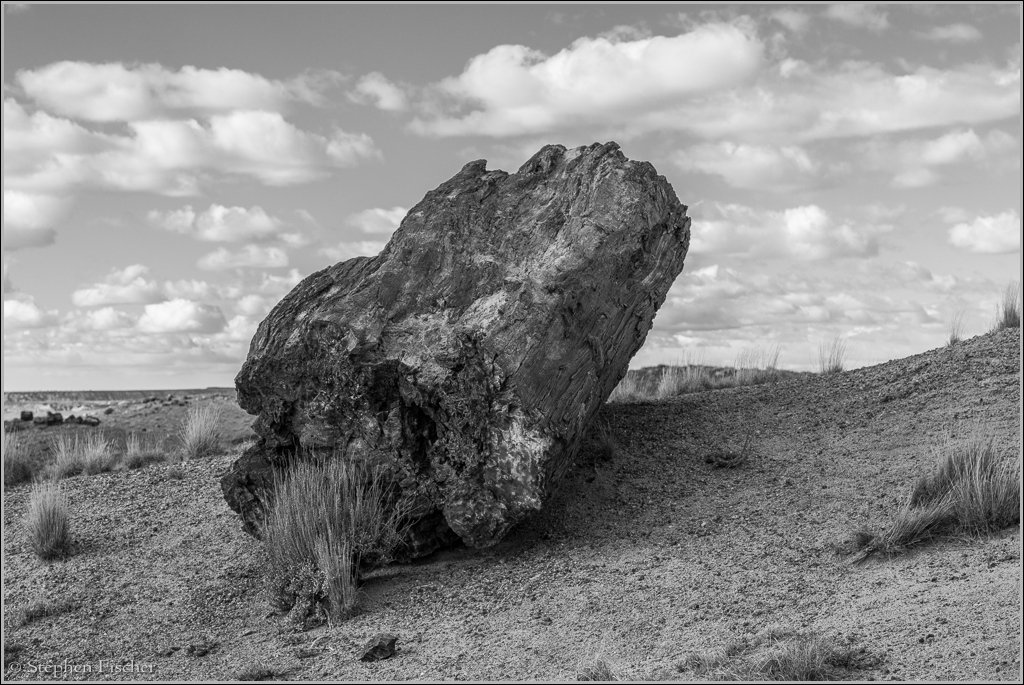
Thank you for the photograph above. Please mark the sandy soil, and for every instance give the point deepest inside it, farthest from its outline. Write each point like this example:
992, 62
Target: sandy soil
642, 561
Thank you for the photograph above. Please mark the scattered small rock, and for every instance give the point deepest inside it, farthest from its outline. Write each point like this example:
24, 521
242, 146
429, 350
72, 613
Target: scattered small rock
26, 416
380, 647
108, 410
201, 648
89, 421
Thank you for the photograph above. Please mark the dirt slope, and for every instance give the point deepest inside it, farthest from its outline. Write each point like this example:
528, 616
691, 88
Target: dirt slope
643, 560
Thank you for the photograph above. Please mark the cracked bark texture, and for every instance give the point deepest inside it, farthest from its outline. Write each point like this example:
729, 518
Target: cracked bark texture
468, 357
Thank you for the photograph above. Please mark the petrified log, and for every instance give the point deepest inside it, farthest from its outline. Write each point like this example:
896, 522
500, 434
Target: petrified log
467, 358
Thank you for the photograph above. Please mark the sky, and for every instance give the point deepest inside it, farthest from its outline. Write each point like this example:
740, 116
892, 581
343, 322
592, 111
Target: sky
170, 172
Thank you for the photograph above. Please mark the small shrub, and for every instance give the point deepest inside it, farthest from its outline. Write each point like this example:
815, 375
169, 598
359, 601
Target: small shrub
1008, 310
48, 522
176, 473
199, 432
40, 610
18, 468
831, 356
328, 520
956, 328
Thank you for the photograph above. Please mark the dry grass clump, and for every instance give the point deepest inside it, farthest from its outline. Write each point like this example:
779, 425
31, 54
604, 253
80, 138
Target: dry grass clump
199, 432
73, 456
256, 672
328, 519
48, 522
628, 390
1008, 310
140, 452
601, 670
45, 609
18, 467
973, 490
776, 655
831, 356
97, 454
956, 328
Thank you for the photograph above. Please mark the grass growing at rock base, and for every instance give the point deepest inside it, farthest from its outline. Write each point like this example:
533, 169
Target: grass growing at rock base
831, 356
49, 526
973, 490
328, 519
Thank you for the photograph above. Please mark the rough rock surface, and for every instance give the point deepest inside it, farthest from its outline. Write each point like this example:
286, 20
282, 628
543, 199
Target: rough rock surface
467, 358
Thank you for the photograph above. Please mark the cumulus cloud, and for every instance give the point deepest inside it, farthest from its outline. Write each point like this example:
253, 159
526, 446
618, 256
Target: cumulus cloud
356, 248
953, 33
172, 157
758, 167
218, 223
24, 313
666, 84
116, 92
794, 20
866, 16
806, 233
915, 162
129, 285
105, 319
181, 316
999, 234
259, 256
513, 89
377, 220
29, 219
376, 89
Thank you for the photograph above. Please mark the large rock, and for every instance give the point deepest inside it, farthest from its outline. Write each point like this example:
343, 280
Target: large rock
467, 358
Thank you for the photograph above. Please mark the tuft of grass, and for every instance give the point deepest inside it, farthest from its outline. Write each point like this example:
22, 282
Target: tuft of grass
601, 670
831, 356
67, 455
757, 365
199, 432
776, 655
1008, 310
972, 490
139, 452
45, 609
628, 390
48, 522
255, 672
956, 328
328, 519
97, 455
18, 467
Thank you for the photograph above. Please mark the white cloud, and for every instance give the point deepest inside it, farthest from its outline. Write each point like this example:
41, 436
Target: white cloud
189, 290
377, 220
181, 316
248, 256
376, 89
116, 92
256, 306
357, 248
29, 218
172, 157
805, 233
915, 162
218, 223
999, 234
867, 16
953, 33
514, 89
121, 286
756, 167
794, 20
23, 313
263, 283
105, 319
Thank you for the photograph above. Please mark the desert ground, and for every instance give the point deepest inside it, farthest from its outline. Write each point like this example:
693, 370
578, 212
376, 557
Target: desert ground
647, 559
